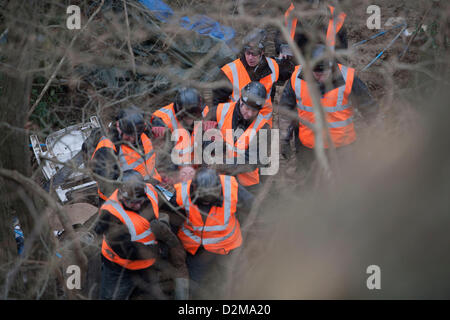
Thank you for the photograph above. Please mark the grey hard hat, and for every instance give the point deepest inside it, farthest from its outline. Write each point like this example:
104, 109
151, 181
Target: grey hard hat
131, 121
254, 95
206, 184
318, 54
132, 186
189, 100
255, 40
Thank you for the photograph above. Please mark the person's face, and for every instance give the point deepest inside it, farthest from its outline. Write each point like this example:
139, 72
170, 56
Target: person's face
133, 201
188, 118
322, 76
134, 205
125, 137
253, 57
248, 113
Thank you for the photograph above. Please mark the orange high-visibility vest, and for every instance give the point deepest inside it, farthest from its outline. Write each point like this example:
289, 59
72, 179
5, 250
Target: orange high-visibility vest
334, 25
205, 111
221, 232
138, 226
224, 118
290, 22
239, 78
130, 159
339, 112
184, 147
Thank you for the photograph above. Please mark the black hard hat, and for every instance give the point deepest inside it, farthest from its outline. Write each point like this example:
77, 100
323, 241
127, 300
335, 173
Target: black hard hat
255, 40
189, 101
132, 187
131, 121
207, 186
254, 95
323, 63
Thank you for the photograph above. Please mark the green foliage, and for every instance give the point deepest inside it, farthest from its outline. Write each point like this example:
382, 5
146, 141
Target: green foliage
44, 114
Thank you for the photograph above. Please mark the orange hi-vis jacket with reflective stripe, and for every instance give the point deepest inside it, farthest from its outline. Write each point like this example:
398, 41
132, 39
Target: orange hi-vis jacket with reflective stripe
239, 78
334, 25
130, 159
224, 118
290, 22
138, 226
185, 141
336, 104
221, 232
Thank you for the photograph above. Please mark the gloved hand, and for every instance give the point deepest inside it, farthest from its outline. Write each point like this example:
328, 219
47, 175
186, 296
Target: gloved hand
209, 125
158, 131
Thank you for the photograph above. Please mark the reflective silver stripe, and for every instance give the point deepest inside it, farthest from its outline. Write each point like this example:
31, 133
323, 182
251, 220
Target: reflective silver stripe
151, 193
341, 90
339, 124
185, 197
124, 216
217, 240
148, 155
273, 75
298, 86
305, 108
326, 109
189, 234
289, 26
258, 120
142, 235
223, 115
305, 122
235, 76
227, 200
124, 164
172, 117
129, 223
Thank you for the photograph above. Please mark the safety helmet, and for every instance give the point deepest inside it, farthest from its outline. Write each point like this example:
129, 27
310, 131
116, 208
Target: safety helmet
255, 41
206, 186
188, 101
132, 187
131, 121
322, 62
254, 95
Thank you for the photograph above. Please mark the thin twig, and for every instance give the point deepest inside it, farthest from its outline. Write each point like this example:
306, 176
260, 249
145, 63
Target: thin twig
416, 32
133, 62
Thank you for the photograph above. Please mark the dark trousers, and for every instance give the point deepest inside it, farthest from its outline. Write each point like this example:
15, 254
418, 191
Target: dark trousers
116, 283
207, 271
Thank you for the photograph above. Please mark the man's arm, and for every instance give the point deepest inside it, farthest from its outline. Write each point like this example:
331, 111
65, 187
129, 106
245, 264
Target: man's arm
106, 165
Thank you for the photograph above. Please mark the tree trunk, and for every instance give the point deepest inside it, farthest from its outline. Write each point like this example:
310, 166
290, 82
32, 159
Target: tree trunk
15, 200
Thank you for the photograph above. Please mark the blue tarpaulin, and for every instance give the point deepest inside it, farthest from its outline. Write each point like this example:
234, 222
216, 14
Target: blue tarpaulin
201, 24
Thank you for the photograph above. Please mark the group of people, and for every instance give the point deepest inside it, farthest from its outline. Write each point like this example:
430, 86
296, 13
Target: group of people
157, 216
